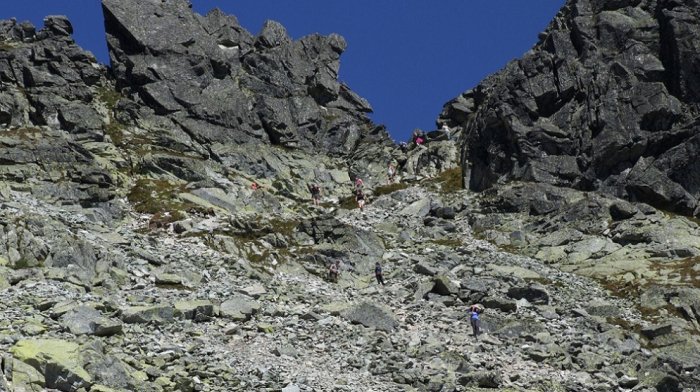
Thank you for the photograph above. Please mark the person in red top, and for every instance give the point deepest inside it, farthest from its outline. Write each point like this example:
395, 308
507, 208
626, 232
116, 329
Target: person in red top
418, 137
359, 183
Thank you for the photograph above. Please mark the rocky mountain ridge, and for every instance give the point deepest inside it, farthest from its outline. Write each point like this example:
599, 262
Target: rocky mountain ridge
136, 255
607, 101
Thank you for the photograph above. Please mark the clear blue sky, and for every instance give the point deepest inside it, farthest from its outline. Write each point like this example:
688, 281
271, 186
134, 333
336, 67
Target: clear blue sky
406, 57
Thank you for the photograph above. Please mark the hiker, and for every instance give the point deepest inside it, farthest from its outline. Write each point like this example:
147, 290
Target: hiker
418, 137
415, 135
378, 273
403, 147
360, 199
333, 271
446, 130
391, 171
474, 312
359, 184
254, 186
315, 193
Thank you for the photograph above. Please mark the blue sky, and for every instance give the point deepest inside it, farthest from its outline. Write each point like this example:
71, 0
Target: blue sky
406, 57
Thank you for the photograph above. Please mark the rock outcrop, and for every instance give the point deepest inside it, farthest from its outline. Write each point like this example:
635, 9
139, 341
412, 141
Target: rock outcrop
49, 103
218, 83
607, 101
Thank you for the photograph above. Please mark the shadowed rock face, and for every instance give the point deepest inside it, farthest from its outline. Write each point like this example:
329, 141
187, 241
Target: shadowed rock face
48, 115
607, 100
220, 83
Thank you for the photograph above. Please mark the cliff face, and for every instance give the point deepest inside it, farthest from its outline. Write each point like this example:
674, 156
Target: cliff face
607, 100
187, 98
220, 84
49, 107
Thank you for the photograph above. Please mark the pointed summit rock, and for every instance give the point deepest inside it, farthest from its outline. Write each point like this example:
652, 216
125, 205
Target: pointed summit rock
221, 84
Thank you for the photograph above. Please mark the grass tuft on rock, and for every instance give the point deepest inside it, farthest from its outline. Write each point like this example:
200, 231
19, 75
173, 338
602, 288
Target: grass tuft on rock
448, 181
160, 198
448, 242
109, 96
390, 188
348, 203
115, 130
24, 133
6, 46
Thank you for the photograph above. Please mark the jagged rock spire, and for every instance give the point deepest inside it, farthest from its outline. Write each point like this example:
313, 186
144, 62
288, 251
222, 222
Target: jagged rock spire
220, 83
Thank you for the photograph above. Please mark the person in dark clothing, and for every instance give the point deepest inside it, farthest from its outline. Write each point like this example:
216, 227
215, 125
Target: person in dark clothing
378, 273
334, 271
315, 193
360, 198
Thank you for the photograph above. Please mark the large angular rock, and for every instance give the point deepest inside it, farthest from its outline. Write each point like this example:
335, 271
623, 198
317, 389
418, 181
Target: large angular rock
84, 320
500, 303
59, 361
653, 331
444, 286
108, 370
254, 290
197, 310
143, 314
24, 377
536, 294
371, 316
482, 379
647, 183
239, 308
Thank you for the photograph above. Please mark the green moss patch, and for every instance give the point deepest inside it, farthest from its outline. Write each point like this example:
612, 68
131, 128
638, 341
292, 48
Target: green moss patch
446, 182
109, 96
687, 270
448, 242
7, 46
24, 134
25, 264
160, 198
390, 188
258, 228
115, 130
58, 355
348, 203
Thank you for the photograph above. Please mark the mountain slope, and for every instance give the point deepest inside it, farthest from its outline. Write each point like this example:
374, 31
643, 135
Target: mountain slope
136, 254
